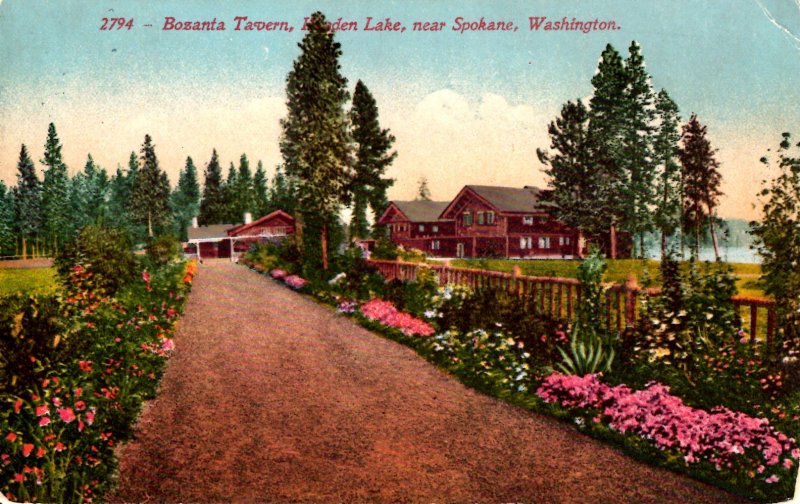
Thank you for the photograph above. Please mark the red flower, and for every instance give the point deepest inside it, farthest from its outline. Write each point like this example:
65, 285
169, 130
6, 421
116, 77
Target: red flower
19, 478
17, 405
78, 391
80, 406
40, 452
86, 366
42, 410
66, 414
27, 448
59, 447
146, 276
90, 417
44, 421
12, 436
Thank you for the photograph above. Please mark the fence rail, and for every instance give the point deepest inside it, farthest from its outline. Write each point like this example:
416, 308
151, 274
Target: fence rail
559, 297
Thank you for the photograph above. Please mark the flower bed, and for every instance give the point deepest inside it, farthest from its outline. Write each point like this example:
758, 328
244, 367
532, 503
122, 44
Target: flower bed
57, 435
726, 439
386, 313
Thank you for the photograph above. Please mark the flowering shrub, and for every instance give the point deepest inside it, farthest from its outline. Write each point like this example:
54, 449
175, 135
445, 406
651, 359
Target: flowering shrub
347, 307
385, 313
58, 433
278, 274
726, 439
487, 358
448, 303
295, 282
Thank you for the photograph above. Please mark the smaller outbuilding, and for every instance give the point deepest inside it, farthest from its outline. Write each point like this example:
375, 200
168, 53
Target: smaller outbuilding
228, 240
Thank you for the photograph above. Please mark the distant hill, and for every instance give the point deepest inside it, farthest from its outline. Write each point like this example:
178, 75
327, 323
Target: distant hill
735, 233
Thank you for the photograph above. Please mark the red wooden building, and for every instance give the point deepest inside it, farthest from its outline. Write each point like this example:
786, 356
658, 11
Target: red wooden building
483, 221
226, 240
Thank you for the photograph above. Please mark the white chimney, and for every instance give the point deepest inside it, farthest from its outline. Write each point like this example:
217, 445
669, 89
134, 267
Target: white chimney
248, 217
194, 222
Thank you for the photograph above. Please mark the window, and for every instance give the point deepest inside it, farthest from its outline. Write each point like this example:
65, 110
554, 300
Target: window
435, 245
435, 228
544, 242
527, 220
526, 242
467, 219
563, 240
489, 217
541, 218
422, 228
481, 220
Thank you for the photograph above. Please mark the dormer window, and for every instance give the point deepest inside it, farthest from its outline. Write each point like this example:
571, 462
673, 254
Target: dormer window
490, 218
422, 228
527, 220
481, 220
467, 218
435, 228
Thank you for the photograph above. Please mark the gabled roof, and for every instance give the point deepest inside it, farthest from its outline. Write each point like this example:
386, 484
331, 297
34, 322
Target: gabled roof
511, 199
206, 232
244, 227
419, 210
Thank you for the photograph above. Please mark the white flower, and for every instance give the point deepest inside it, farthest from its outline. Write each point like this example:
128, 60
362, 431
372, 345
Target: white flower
579, 421
337, 278
430, 314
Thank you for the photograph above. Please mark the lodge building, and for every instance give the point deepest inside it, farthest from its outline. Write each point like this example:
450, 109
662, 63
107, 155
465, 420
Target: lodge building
484, 221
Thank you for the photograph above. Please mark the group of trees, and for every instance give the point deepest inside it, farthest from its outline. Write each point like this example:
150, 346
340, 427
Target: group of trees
623, 163
334, 156
38, 215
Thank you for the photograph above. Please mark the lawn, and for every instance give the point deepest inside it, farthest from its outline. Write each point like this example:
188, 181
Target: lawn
34, 280
747, 275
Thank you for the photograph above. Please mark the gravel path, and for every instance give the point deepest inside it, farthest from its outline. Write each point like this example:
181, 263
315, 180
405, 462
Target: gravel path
271, 397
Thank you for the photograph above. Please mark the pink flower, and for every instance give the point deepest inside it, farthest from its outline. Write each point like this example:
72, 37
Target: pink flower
44, 421
42, 410
772, 479
167, 345
66, 414
295, 282
90, 417
146, 276
56, 401
85, 366
278, 273
80, 406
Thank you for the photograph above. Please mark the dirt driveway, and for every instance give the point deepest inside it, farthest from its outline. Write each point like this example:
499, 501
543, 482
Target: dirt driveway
271, 397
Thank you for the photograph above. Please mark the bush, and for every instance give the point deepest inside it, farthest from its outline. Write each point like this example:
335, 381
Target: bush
103, 252
163, 250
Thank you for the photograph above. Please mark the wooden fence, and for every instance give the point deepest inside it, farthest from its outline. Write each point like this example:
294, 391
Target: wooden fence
559, 297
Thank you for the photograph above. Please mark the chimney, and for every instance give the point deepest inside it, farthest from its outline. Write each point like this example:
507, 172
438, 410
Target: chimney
194, 222
248, 217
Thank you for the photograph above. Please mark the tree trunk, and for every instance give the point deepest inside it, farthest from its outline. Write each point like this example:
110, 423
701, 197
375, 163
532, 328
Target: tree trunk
24, 248
149, 225
324, 247
697, 240
714, 237
641, 246
663, 244
613, 240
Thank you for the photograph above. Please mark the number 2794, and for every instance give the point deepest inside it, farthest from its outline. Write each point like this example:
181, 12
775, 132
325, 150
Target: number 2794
116, 23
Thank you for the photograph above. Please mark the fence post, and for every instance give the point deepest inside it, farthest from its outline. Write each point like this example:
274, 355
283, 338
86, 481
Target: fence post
631, 291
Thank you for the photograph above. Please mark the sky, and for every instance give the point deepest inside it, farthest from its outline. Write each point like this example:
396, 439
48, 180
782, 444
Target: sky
466, 108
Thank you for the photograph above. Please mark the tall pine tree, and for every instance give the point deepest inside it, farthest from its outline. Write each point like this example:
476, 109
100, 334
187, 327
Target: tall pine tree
186, 199
27, 201
244, 194
261, 191
282, 192
571, 171
213, 208
637, 159
58, 220
701, 182
423, 192
315, 143
667, 216
607, 132
150, 194
372, 158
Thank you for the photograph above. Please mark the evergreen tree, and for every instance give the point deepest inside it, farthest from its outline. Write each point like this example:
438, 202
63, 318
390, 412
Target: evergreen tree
231, 205
282, 193
637, 159
7, 236
58, 220
423, 193
151, 191
372, 159
778, 243
212, 206
186, 199
244, 193
607, 132
701, 181
27, 200
668, 182
89, 196
571, 170
315, 143
261, 191
121, 187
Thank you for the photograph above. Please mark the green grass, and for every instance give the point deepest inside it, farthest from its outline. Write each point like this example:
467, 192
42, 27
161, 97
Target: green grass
746, 275
36, 280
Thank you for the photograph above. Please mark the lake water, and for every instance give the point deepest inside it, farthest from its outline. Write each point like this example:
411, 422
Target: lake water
729, 254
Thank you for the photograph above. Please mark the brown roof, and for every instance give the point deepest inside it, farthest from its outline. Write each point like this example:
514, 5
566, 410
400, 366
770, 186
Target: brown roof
422, 210
206, 232
512, 199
